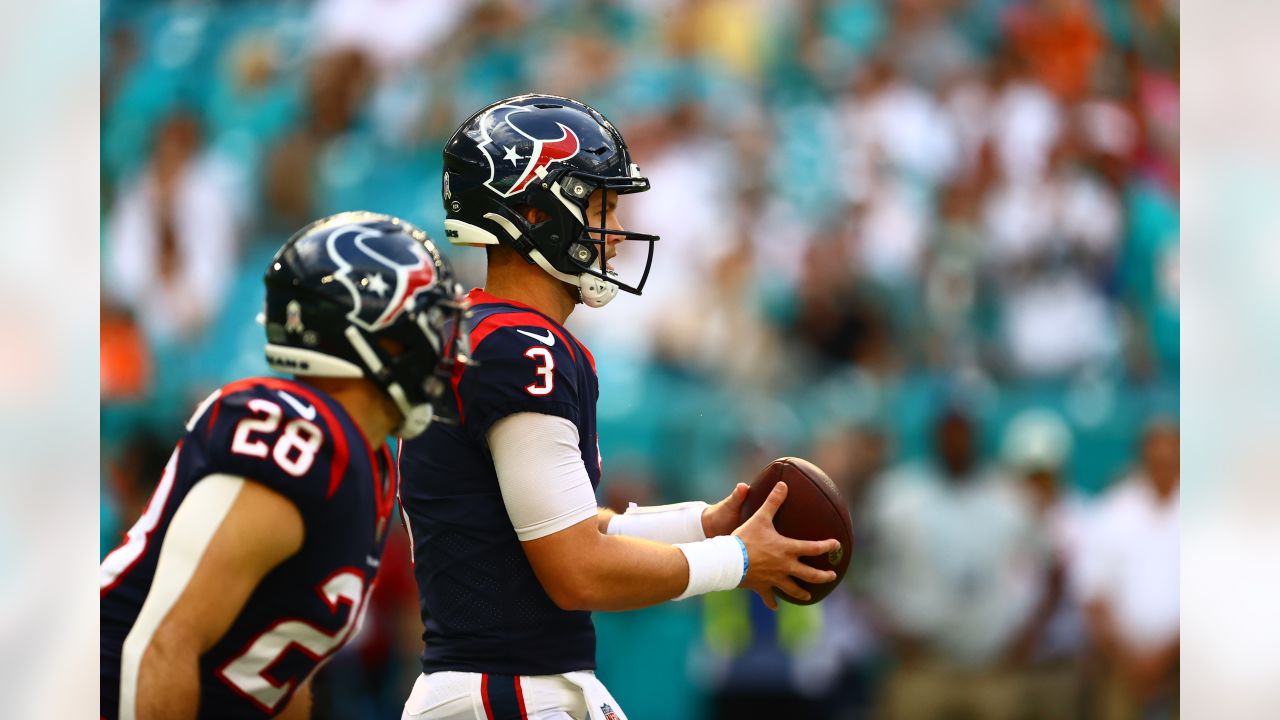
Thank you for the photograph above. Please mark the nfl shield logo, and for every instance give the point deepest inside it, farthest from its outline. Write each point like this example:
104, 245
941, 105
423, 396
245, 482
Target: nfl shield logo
609, 714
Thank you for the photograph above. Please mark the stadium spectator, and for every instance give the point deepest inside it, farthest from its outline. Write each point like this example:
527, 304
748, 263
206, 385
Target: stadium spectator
391, 33
1059, 40
304, 164
853, 454
894, 124
1036, 449
1129, 583
1056, 323
925, 45
839, 318
956, 306
1025, 120
251, 103
953, 578
172, 236
131, 474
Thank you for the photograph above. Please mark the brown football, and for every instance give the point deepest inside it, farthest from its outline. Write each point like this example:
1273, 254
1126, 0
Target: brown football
813, 510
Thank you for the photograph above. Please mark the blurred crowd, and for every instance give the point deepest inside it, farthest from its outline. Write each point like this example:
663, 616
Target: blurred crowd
932, 245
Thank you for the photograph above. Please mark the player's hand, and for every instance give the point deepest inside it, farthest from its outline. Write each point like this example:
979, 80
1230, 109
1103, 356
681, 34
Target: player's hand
722, 518
774, 560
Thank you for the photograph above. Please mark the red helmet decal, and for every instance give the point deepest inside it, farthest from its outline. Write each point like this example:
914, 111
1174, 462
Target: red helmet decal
412, 279
549, 151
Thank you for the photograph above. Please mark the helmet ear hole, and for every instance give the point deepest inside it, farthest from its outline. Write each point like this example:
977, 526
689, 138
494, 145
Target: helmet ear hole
390, 346
531, 214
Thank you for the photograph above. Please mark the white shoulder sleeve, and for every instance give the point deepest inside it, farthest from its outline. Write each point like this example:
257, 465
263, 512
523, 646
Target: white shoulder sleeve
544, 483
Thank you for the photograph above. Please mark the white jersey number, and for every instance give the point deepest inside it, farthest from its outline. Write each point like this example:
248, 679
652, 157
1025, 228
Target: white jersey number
124, 557
247, 672
545, 368
296, 449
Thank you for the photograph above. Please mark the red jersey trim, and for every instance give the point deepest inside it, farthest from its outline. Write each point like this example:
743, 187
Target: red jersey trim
516, 319
478, 296
161, 494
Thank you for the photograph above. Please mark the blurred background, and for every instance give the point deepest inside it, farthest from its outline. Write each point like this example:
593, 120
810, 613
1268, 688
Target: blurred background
932, 245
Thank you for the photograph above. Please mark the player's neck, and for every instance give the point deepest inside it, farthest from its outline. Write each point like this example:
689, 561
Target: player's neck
530, 286
371, 410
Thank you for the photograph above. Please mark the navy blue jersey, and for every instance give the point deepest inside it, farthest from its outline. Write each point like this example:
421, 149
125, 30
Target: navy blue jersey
302, 444
482, 606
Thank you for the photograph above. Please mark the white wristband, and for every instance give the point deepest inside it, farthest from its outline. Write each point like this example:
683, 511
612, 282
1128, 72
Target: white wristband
678, 523
716, 564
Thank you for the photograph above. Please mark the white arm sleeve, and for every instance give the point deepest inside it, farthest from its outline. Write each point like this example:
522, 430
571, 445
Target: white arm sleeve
544, 483
672, 524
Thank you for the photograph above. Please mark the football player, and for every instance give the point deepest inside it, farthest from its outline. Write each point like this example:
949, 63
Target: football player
255, 558
511, 550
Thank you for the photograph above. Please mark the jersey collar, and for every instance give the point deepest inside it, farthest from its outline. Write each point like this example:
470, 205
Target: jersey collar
478, 296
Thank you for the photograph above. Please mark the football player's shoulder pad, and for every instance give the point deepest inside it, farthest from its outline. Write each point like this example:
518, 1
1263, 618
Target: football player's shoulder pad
520, 364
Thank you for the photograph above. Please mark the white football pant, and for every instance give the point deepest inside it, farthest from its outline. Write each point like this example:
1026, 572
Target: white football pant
485, 696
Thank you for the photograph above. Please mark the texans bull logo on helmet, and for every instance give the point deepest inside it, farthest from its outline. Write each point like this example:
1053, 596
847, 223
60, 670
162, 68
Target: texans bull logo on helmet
531, 146
379, 297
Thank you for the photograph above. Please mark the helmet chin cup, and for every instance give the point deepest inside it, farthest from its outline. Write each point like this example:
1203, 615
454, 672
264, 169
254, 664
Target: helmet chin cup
414, 418
414, 421
596, 292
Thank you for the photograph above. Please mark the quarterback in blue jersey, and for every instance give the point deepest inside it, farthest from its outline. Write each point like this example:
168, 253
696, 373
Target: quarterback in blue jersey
511, 552
255, 558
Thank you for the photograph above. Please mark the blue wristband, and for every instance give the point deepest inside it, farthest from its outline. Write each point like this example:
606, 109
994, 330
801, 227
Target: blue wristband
745, 562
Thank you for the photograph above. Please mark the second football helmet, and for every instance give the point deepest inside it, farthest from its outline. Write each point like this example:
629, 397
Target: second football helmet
549, 153
360, 294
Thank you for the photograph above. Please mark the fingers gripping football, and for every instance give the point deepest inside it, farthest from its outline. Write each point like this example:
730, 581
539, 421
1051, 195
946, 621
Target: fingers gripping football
774, 560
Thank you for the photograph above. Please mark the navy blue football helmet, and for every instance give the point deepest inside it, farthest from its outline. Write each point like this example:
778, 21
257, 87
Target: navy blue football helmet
360, 294
550, 153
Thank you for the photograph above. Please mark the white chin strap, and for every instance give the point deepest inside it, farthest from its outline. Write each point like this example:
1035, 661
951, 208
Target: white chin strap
414, 418
593, 291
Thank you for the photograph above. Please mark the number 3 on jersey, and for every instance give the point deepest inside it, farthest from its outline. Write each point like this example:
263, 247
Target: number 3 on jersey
546, 364
294, 452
